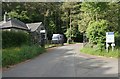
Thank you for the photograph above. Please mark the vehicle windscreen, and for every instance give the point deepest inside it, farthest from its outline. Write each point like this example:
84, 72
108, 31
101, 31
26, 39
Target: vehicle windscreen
55, 37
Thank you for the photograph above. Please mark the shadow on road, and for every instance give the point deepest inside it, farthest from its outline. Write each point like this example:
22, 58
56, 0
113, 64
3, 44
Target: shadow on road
88, 66
64, 62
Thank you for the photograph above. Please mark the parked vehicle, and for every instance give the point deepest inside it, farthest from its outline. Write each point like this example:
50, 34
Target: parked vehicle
58, 39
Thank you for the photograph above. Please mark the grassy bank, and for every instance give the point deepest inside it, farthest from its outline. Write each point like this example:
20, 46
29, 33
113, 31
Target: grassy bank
92, 51
11, 56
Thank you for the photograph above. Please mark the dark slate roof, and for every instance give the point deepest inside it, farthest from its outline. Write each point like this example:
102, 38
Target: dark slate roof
13, 23
34, 26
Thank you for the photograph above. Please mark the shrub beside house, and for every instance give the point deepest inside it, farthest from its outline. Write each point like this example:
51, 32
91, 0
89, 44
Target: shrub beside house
17, 41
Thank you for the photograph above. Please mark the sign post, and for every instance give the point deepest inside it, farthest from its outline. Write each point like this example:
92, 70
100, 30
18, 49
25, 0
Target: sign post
107, 45
110, 39
112, 46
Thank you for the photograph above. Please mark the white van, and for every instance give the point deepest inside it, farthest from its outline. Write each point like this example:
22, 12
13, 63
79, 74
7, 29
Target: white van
57, 39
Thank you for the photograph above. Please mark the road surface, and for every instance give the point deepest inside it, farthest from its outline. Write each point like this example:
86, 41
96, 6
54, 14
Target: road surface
65, 61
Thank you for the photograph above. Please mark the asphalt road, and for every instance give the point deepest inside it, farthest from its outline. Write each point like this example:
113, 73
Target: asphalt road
65, 61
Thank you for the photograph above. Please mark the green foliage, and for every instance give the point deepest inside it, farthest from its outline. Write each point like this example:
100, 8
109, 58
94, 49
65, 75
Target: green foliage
91, 11
71, 17
13, 39
112, 16
52, 27
93, 51
48, 13
96, 32
11, 56
22, 16
68, 33
13, 14
94, 7
58, 17
117, 39
73, 32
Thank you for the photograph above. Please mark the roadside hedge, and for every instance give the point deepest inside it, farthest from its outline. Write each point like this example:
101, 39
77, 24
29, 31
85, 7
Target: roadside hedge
11, 56
14, 39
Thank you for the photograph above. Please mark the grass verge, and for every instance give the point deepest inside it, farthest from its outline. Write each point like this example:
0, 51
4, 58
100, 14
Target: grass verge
52, 45
92, 51
11, 56
49, 45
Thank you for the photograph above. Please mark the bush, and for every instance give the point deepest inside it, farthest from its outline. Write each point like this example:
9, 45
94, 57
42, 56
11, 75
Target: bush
11, 56
96, 32
75, 35
13, 39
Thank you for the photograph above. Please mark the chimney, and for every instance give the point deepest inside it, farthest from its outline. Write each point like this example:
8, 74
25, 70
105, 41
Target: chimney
5, 17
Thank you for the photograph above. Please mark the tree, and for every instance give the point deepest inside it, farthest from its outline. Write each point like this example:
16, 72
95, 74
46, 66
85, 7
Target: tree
91, 11
71, 17
112, 16
29, 12
96, 32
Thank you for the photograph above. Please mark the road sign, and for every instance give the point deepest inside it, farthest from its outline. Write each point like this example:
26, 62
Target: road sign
110, 37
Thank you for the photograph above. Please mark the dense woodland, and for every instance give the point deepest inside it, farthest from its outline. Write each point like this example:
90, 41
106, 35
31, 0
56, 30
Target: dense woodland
70, 18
